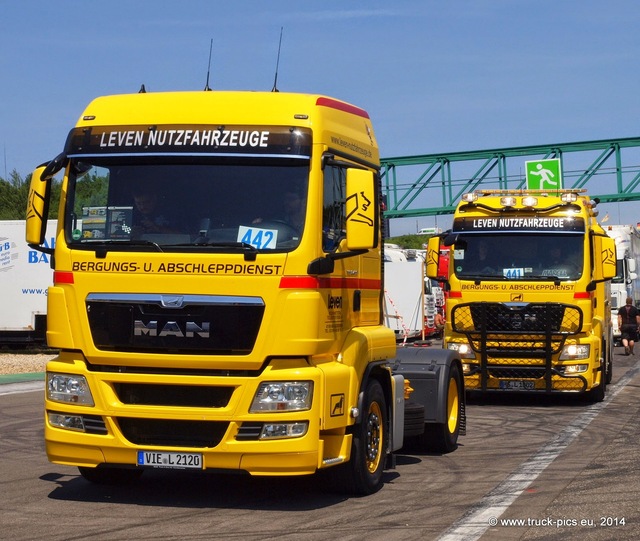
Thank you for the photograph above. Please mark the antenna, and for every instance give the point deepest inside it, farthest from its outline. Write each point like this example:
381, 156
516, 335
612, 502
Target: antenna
206, 87
275, 81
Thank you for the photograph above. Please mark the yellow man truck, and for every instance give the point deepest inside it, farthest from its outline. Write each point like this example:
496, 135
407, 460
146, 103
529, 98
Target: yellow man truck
529, 307
217, 294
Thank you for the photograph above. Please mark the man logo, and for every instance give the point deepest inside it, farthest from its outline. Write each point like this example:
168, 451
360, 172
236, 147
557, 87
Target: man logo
516, 297
190, 329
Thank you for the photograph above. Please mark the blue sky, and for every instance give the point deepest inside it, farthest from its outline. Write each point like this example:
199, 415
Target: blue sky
434, 75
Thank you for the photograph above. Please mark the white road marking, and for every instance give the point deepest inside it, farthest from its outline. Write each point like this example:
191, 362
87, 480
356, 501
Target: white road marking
483, 515
24, 387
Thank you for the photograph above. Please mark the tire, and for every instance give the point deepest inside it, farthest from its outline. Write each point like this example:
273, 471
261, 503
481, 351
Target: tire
443, 437
107, 475
596, 395
609, 376
413, 419
362, 475
609, 362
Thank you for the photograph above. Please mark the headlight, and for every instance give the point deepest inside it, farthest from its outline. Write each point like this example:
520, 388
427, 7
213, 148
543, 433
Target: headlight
68, 388
575, 351
283, 396
464, 349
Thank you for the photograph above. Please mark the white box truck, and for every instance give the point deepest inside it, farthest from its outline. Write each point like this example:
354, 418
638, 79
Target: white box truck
25, 275
626, 282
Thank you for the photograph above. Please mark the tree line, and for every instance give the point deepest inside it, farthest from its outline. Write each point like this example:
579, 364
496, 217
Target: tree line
14, 194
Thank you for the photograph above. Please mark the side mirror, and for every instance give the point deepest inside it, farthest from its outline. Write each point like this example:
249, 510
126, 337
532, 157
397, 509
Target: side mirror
362, 210
604, 258
631, 265
38, 207
433, 257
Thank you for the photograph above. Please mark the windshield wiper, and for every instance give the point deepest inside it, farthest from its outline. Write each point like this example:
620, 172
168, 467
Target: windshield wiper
550, 277
250, 250
103, 246
480, 277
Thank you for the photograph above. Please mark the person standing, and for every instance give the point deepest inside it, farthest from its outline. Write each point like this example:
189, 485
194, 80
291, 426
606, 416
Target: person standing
628, 322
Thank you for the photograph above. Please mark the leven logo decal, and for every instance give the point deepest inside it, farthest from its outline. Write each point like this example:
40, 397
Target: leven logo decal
337, 405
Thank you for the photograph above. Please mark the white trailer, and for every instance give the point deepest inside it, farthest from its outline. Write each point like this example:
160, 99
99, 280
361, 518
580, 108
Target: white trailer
626, 282
25, 276
411, 300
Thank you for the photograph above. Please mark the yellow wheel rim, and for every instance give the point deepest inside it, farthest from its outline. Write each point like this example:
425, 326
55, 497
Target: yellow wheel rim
374, 437
452, 405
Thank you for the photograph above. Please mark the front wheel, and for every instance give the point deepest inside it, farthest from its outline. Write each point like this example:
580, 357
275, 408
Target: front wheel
362, 475
443, 437
608, 349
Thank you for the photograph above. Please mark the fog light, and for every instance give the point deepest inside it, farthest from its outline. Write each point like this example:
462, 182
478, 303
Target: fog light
68, 388
274, 431
68, 422
466, 368
576, 368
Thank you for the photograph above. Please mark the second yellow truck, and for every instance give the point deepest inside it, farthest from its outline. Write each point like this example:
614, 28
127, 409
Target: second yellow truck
528, 307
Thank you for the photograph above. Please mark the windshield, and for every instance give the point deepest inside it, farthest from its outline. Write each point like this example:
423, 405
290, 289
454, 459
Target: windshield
519, 256
116, 202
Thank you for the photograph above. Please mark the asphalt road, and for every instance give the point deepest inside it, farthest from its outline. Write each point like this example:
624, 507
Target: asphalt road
530, 468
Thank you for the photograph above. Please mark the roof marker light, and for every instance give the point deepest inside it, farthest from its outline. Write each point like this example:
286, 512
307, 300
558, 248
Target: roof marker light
469, 197
508, 201
529, 201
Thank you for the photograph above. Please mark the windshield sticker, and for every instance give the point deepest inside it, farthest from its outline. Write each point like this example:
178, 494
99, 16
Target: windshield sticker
262, 239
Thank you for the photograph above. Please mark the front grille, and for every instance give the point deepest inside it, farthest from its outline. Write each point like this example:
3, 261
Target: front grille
194, 324
249, 431
517, 318
172, 433
517, 341
94, 424
516, 372
197, 396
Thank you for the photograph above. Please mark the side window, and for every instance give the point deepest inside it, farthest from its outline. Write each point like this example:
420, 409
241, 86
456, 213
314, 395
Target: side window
333, 207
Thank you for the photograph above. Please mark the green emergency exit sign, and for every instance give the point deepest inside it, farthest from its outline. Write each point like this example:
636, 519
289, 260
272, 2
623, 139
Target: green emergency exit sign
544, 174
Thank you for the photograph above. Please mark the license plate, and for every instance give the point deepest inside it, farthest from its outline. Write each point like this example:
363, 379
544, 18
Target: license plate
178, 461
517, 385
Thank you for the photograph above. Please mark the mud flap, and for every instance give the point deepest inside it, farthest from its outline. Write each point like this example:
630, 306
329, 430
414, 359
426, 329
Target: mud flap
428, 373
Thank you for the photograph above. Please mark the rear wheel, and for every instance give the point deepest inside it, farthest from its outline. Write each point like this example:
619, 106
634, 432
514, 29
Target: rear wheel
413, 420
443, 437
107, 475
